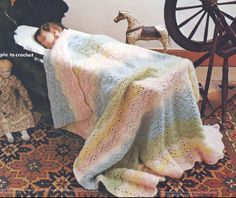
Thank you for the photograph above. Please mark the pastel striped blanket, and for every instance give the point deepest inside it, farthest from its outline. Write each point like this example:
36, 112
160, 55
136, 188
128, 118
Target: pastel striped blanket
136, 109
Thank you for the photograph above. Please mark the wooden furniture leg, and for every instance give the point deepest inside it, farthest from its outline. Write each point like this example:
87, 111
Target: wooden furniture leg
209, 72
224, 93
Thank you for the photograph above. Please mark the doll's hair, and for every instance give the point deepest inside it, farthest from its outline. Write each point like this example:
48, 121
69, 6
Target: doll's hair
5, 63
48, 27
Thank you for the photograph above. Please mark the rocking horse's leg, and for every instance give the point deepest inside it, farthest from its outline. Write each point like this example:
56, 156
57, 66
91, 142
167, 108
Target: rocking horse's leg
130, 40
165, 40
127, 41
164, 44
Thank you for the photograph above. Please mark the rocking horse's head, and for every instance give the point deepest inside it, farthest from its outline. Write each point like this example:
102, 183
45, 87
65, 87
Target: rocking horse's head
121, 16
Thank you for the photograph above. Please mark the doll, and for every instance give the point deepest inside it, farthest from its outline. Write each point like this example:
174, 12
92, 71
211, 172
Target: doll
15, 104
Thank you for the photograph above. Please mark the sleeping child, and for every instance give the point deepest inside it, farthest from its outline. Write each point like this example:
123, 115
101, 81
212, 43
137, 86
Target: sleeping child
136, 109
48, 33
15, 104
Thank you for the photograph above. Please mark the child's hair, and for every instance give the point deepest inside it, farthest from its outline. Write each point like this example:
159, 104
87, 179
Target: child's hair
48, 27
5, 63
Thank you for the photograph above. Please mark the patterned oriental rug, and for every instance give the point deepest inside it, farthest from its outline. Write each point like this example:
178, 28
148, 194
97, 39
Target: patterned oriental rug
42, 167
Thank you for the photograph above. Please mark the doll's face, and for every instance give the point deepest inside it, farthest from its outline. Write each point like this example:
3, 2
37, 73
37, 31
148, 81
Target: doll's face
5, 72
48, 39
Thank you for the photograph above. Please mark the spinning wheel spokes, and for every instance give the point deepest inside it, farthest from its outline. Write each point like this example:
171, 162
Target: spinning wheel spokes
191, 25
227, 3
196, 26
206, 29
200, 6
228, 16
188, 7
189, 19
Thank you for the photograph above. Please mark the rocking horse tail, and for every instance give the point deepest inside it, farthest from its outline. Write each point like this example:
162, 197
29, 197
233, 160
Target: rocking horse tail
166, 43
165, 38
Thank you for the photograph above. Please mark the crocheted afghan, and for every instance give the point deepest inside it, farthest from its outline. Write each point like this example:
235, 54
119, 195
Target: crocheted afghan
136, 109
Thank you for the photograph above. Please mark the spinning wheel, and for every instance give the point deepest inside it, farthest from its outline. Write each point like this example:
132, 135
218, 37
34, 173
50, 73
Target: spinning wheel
191, 23
217, 29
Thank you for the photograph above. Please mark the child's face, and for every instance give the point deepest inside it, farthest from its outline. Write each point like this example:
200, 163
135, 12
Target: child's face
48, 39
5, 72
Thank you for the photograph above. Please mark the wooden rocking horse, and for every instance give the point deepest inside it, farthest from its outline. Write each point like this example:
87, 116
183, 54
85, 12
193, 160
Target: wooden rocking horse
137, 32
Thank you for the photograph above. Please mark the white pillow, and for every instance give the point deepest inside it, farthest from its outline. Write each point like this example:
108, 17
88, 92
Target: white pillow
25, 37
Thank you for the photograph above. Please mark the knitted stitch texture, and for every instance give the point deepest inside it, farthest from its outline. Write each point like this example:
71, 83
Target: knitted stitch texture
136, 109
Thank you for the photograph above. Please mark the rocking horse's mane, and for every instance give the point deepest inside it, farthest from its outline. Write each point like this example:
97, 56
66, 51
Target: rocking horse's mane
131, 18
127, 13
